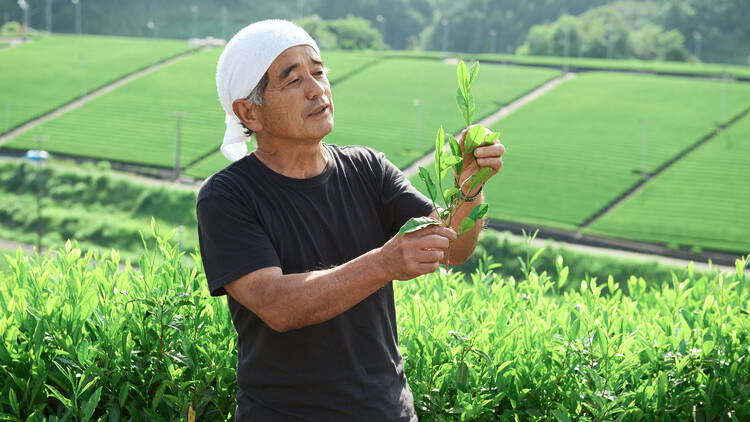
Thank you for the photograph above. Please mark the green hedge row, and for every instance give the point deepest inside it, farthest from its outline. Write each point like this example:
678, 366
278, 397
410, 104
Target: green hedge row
83, 339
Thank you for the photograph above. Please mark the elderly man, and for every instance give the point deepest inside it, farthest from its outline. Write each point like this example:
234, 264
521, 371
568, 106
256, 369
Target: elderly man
300, 236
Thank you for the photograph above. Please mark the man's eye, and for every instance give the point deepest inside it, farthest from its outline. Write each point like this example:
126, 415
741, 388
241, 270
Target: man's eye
294, 81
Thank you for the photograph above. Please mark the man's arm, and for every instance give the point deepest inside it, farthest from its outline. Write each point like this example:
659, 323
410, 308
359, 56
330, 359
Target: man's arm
289, 301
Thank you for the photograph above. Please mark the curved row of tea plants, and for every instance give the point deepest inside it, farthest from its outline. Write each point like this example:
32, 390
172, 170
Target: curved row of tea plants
41, 75
83, 339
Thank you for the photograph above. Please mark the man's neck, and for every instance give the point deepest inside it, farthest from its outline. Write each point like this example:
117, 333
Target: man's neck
295, 159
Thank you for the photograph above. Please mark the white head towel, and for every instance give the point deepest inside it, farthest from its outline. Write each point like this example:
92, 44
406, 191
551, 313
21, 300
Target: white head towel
242, 64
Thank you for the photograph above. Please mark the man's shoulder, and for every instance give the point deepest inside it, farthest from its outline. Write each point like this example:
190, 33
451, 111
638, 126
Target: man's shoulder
223, 182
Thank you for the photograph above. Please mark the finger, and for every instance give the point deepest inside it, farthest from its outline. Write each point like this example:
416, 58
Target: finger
438, 230
429, 256
494, 163
494, 150
433, 241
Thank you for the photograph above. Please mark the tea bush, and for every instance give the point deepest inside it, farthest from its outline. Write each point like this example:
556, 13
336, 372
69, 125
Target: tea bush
86, 337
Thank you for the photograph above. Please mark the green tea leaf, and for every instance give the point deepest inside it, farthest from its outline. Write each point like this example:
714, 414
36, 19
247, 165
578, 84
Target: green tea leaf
466, 224
463, 106
64, 400
473, 139
450, 193
561, 415
439, 146
479, 177
491, 138
429, 184
479, 211
462, 373
417, 223
463, 78
88, 408
473, 72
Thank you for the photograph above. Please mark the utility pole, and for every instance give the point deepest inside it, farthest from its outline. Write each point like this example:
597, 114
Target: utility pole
698, 37
152, 27
609, 41
581, 44
25, 8
83, 76
194, 11
444, 22
39, 194
493, 33
644, 138
223, 17
381, 22
178, 134
566, 46
723, 120
48, 14
7, 116
502, 80
77, 4
419, 124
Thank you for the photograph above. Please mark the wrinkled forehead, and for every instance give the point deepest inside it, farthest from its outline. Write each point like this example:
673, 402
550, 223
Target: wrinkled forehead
293, 58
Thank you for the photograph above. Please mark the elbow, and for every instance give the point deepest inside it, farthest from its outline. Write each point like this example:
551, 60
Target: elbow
275, 321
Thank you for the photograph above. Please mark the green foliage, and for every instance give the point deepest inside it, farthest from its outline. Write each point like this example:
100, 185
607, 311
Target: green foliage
603, 32
87, 337
350, 33
40, 76
95, 207
492, 348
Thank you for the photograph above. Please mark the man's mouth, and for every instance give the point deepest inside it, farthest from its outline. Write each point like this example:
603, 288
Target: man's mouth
319, 110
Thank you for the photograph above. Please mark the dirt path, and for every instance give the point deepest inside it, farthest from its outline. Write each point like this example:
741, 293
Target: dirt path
413, 169
90, 96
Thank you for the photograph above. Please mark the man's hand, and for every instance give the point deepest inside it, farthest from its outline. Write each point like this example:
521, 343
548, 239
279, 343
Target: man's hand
490, 156
417, 253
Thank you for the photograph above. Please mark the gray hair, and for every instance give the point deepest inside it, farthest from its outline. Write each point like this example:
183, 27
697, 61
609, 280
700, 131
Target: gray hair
256, 97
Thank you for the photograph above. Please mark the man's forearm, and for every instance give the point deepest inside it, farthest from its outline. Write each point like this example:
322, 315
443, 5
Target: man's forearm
462, 248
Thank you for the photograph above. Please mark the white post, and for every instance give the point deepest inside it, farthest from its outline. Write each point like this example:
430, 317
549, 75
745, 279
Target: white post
178, 134
502, 80
381, 21
83, 76
48, 14
723, 120
493, 33
644, 138
566, 46
223, 13
609, 41
445, 34
77, 4
418, 133
25, 8
194, 11
697, 35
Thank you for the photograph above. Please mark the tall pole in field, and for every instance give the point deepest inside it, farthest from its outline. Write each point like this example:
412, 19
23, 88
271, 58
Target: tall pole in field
581, 44
502, 80
48, 14
25, 8
7, 116
609, 41
178, 135
444, 22
223, 16
83, 76
566, 46
381, 22
493, 33
77, 4
152, 27
723, 120
39, 194
194, 11
418, 133
698, 37
644, 138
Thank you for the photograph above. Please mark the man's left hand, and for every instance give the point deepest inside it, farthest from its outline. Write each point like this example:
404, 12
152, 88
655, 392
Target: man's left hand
489, 156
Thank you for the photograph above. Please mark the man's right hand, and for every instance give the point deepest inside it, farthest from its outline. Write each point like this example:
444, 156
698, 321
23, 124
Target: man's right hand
417, 253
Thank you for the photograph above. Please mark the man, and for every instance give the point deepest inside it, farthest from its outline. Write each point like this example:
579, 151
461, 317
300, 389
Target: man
299, 234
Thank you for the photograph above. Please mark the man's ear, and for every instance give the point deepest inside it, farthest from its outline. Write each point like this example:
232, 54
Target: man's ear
247, 112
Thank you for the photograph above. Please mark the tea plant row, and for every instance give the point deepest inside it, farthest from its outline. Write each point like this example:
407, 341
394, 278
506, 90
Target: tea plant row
83, 339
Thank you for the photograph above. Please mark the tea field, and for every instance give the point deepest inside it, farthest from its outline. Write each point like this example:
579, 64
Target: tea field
137, 122
42, 75
84, 339
394, 108
701, 201
577, 148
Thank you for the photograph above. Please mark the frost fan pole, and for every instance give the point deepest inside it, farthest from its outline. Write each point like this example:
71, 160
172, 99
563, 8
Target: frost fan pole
644, 137
178, 134
39, 195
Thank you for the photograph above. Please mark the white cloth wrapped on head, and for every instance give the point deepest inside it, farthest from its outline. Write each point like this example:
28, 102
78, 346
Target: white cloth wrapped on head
242, 64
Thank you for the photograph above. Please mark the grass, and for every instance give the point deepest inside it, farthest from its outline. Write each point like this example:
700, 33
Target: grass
577, 148
42, 75
389, 118
702, 201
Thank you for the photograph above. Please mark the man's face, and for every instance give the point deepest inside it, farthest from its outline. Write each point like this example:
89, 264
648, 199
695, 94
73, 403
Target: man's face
297, 104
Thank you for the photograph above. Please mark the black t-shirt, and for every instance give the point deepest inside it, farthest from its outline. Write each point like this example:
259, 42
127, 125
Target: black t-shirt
250, 217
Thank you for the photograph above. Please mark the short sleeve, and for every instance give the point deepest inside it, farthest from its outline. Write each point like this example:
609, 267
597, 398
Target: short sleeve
232, 243
401, 200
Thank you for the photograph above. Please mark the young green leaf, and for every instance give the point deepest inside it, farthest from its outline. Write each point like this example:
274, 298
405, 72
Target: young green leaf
479, 177
474, 138
473, 72
463, 78
466, 224
417, 223
431, 189
449, 193
479, 211
439, 147
491, 138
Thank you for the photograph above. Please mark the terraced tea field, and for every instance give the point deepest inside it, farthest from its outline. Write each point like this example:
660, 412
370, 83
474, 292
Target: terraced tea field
702, 200
137, 122
41, 75
378, 107
574, 150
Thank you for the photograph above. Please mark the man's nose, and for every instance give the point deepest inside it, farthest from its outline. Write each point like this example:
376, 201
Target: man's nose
314, 87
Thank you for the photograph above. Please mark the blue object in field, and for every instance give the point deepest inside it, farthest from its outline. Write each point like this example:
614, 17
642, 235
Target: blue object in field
36, 155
